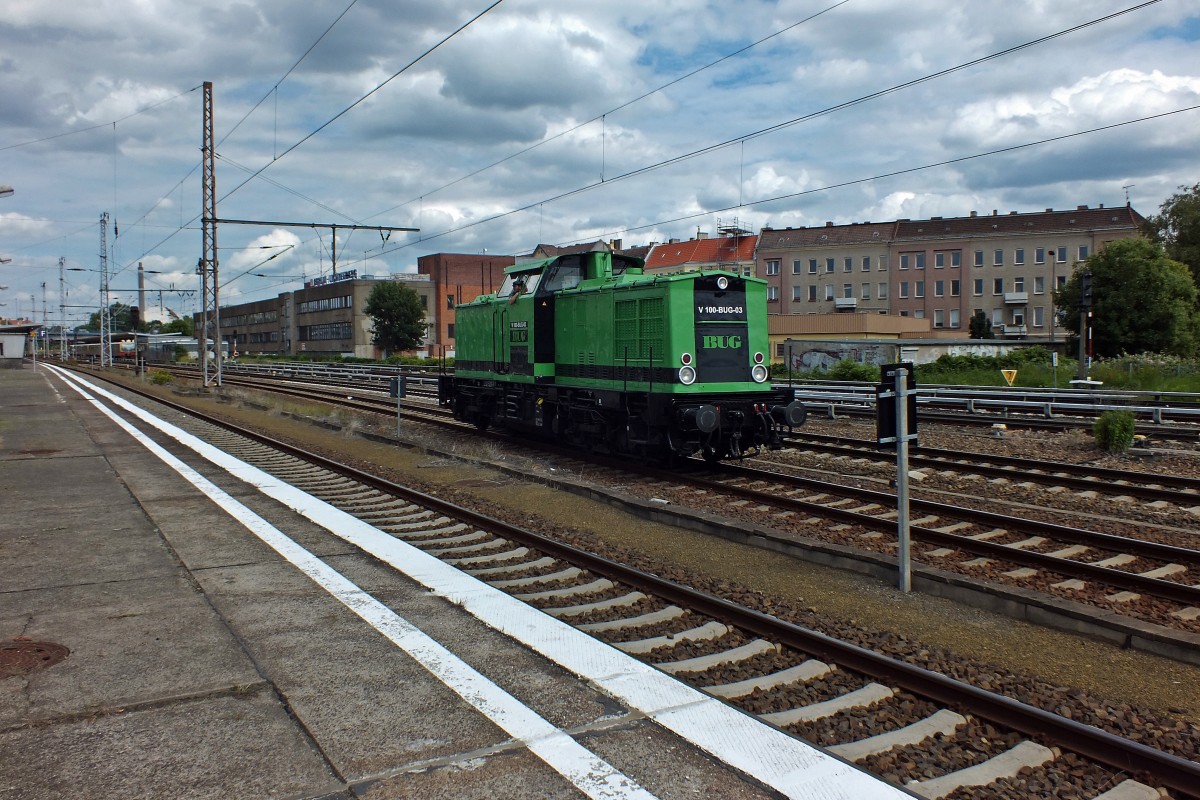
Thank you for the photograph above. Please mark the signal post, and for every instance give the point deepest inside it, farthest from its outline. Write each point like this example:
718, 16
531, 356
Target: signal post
896, 426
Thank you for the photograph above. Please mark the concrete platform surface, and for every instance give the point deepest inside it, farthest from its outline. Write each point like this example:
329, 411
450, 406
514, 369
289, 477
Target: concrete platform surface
229, 638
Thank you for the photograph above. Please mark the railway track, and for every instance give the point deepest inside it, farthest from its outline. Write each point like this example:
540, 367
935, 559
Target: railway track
911, 725
1154, 581
1181, 490
995, 546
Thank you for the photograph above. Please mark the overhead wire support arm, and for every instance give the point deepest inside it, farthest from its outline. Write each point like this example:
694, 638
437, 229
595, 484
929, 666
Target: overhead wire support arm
333, 226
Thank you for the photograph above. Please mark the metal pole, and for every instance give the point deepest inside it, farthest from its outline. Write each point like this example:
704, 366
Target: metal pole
62, 310
902, 525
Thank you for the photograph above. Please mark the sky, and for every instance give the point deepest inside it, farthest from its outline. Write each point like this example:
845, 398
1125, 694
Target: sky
495, 126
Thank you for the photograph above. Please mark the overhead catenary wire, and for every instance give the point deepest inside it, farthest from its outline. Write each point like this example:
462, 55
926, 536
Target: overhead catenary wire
601, 117
792, 122
829, 187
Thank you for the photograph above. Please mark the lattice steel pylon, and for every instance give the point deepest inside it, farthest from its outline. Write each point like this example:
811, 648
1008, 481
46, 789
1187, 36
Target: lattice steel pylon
210, 316
105, 316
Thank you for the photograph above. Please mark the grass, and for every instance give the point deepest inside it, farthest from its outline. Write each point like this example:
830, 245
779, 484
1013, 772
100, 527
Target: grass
1034, 369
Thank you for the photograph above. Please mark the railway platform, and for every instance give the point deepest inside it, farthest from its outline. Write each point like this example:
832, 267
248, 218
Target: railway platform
167, 629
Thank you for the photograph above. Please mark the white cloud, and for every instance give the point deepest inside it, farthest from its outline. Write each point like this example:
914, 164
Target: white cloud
530, 69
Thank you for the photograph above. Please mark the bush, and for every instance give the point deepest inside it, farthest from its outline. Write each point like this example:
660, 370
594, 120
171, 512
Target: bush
1114, 431
160, 377
850, 370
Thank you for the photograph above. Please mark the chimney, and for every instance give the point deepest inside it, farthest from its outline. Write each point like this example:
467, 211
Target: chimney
828, 224
615, 245
974, 213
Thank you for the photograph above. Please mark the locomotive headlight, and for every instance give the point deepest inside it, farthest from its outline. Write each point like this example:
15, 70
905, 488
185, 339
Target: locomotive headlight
722, 283
687, 375
759, 373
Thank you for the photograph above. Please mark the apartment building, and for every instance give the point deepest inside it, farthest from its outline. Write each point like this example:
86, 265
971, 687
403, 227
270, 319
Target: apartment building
941, 269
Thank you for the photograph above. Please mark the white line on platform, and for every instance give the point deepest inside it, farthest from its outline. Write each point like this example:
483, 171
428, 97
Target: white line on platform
587, 771
776, 759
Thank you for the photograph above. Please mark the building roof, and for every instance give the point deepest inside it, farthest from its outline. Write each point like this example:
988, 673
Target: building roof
719, 250
830, 234
1080, 219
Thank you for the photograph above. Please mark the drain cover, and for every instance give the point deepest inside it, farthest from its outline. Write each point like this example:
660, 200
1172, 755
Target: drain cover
20, 658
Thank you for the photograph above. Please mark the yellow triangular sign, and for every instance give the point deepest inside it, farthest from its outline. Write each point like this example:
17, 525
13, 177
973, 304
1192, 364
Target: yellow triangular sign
1010, 375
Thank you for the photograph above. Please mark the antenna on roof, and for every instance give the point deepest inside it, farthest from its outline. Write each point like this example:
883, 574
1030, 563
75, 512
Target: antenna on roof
1127, 188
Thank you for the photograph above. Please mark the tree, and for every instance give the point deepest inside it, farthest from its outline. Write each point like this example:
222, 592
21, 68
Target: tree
1177, 228
981, 326
119, 318
183, 325
398, 316
1142, 301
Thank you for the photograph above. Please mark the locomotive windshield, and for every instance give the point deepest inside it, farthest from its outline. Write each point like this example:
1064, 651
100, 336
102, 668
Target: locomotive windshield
519, 283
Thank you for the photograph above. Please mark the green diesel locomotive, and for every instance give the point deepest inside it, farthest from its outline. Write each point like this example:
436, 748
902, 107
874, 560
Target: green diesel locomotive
586, 349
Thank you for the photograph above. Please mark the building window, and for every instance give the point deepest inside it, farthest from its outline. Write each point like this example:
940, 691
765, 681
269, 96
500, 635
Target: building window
829, 292
979, 258
904, 261
883, 291
939, 288
919, 313
956, 258
903, 290
919, 261
798, 293
812, 293
1039, 316
324, 304
1019, 256
998, 286
955, 288
939, 260
847, 290
1019, 284
812, 266
1062, 254
1039, 284
772, 294
797, 267
1018, 317
919, 289
866, 264
848, 264
939, 318
1083, 252
1039, 255
450, 331
1061, 281
779, 353
998, 258
882, 263
773, 267
977, 289
866, 291
326, 332
829, 265
954, 318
